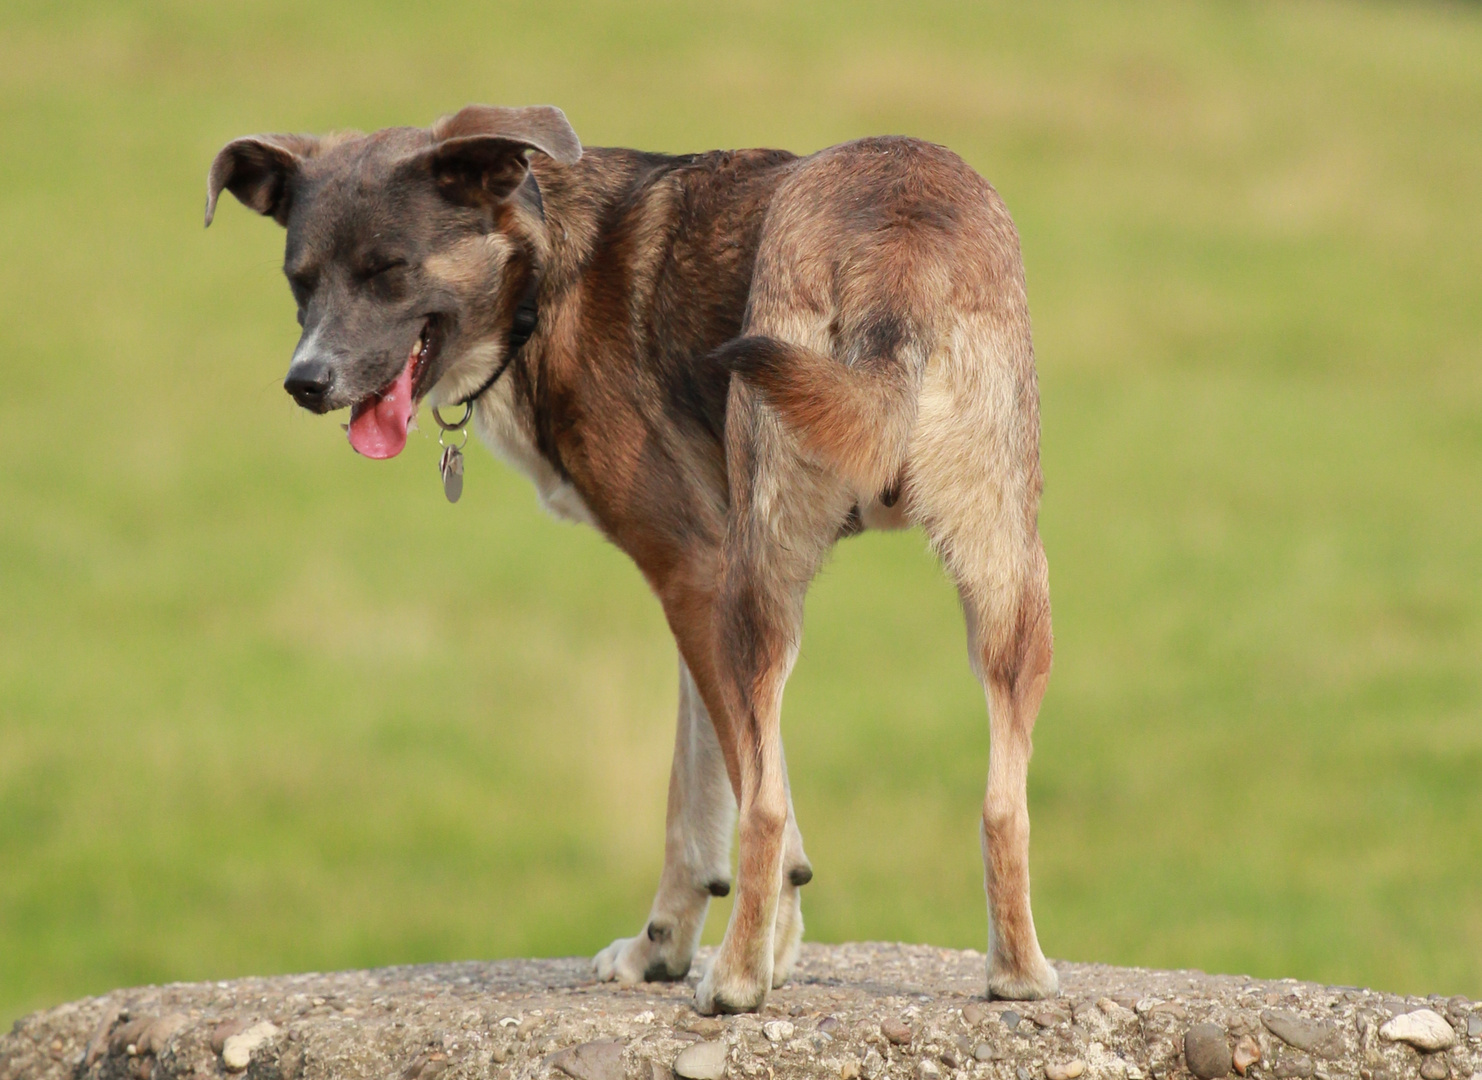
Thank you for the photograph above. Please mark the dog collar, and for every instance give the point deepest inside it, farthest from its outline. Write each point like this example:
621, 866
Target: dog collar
527, 315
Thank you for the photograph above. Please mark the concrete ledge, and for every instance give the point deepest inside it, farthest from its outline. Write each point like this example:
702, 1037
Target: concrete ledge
860, 1010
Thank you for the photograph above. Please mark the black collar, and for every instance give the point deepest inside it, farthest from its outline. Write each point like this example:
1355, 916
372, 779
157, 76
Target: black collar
527, 314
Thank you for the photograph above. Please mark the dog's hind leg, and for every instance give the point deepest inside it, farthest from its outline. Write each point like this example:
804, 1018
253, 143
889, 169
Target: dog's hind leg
697, 853
974, 484
1013, 662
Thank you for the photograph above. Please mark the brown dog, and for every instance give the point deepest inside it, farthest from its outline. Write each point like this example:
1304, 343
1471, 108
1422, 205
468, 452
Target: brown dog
725, 362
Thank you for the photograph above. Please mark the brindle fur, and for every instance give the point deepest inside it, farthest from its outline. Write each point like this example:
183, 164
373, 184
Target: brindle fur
740, 357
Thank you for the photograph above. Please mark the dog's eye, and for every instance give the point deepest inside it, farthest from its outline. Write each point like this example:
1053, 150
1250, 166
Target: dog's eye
302, 286
383, 266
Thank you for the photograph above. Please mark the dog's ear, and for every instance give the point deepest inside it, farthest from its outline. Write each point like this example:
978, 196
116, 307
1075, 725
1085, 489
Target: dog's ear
257, 170
478, 154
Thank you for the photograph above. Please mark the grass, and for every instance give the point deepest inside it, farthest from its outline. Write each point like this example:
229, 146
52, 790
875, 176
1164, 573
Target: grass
268, 707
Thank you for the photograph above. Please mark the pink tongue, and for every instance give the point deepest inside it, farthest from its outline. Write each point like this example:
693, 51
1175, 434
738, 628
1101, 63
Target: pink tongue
378, 425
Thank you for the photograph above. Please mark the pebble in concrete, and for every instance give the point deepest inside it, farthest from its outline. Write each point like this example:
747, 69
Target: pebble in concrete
126, 1039
1423, 1029
1296, 1031
1207, 1051
1293, 1066
158, 1035
430, 1066
1118, 1014
707, 1027
1474, 1025
702, 1061
1065, 1070
1434, 1067
1051, 1015
225, 1030
896, 1031
1247, 1052
778, 1031
236, 1052
599, 1060
983, 1052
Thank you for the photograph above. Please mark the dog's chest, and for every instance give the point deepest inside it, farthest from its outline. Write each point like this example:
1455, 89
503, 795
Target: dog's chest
504, 431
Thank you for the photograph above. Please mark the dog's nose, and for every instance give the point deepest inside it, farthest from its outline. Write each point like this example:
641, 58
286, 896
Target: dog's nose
309, 381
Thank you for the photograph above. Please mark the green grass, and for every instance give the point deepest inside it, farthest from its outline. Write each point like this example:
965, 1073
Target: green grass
268, 707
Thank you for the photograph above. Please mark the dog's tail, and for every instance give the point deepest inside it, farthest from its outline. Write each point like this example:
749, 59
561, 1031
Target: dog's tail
853, 415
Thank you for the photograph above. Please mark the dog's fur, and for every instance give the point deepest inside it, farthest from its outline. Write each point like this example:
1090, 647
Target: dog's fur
740, 357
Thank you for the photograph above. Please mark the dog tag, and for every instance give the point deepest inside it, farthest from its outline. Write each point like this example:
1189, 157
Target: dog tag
451, 466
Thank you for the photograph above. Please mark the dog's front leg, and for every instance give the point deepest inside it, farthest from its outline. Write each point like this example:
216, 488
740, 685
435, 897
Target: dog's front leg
697, 853
787, 936
741, 974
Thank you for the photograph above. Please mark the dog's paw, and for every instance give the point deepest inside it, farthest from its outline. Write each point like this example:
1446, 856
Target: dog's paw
781, 972
621, 962
1038, 980
639, 959
723, 992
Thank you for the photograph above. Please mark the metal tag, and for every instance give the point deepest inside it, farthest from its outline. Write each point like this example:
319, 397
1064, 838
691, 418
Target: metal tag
451, 466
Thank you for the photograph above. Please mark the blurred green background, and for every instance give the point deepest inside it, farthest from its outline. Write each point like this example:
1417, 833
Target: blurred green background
265, 706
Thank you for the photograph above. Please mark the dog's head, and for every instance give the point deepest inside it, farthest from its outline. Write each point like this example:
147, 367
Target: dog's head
408, 251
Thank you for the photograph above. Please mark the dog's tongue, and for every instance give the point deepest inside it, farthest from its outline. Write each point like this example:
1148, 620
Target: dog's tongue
378, 425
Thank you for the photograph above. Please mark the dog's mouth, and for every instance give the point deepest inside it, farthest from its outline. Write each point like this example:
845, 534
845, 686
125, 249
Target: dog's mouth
379, 422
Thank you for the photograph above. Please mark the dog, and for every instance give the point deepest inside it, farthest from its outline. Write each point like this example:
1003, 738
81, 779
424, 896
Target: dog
725, 362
